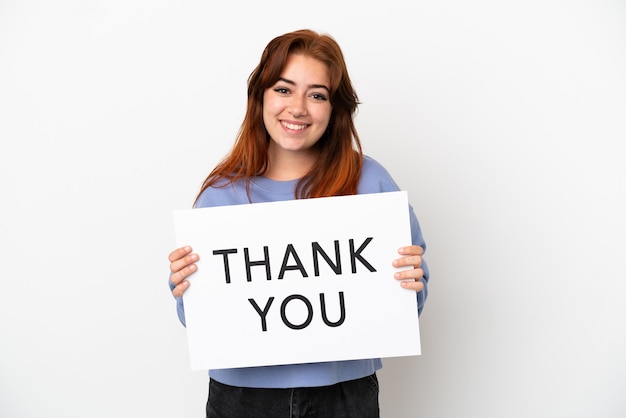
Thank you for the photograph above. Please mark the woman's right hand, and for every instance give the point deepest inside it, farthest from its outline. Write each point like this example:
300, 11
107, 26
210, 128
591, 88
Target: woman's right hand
182, 265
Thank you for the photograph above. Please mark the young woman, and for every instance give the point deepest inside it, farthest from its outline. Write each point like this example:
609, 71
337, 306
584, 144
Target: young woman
297, 141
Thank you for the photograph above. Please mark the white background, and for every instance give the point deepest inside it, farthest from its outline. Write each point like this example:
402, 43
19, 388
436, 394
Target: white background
503, 120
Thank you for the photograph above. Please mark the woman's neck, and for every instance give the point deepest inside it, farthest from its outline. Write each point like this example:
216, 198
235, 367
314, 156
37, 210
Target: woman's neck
285, 165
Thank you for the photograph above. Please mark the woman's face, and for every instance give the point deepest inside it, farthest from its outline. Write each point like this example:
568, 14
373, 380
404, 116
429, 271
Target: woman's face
296, 110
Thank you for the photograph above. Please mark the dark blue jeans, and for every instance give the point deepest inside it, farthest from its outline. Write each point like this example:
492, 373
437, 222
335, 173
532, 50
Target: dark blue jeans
352, 399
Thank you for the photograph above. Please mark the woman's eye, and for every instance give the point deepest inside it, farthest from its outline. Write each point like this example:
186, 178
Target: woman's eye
319, 96
281, 90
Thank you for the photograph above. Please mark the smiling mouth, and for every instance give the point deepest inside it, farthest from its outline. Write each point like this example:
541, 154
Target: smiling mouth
294, 127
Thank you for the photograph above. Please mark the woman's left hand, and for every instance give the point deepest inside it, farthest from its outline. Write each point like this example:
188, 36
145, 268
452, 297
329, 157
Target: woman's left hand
410, 278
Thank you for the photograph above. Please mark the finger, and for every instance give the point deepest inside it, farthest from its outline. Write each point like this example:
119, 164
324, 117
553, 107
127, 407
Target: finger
181, 275
179, 253
183, 262
417, 285
180, 289
415, 274
411, 250
414, 260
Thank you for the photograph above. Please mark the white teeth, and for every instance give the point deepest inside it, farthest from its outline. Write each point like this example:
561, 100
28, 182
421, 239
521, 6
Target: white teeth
293, 127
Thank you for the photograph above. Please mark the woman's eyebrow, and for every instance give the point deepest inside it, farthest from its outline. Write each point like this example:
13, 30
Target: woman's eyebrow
312, 86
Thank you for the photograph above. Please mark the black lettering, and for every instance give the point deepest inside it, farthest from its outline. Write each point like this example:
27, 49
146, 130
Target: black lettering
317, 249
226, 267
283, 315
263, 313
341, 306
354, 255
265, 262
297, 266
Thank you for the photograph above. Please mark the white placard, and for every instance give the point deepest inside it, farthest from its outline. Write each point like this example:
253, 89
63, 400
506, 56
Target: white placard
298, 281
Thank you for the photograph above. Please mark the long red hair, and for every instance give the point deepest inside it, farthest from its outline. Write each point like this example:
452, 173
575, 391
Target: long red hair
338, 167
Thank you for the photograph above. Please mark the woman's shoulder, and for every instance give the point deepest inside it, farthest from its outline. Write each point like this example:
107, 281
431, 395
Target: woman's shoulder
223, 193
372, 165
375, 177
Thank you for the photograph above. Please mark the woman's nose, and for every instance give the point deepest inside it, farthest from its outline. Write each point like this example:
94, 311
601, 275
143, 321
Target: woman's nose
297, 107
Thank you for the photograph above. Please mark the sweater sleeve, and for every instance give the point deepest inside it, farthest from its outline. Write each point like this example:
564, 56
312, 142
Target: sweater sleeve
375, 179
418, 239
180, 307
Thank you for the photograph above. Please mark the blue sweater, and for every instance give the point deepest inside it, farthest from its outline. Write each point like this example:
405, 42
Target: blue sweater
374, 179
